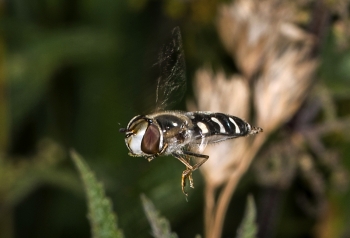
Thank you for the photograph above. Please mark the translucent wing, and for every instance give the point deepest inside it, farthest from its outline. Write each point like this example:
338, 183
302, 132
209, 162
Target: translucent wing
198, 145
171, 84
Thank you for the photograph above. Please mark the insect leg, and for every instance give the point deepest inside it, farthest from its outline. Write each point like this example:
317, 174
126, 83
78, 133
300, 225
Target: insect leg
196, 166
164, 148
150, 158
188, 172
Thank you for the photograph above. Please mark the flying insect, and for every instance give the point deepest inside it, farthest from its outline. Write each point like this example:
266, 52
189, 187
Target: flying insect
183, 135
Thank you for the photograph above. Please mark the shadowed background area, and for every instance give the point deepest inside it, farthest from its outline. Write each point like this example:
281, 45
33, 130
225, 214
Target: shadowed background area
72, 73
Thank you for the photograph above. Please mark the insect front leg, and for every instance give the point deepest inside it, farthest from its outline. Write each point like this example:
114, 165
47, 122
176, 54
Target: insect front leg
150, 158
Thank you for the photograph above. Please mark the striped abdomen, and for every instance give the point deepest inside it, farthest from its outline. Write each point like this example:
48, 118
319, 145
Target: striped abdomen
216, 127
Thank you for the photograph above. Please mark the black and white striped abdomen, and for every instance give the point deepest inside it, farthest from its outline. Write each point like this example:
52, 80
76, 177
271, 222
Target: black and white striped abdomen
217, 127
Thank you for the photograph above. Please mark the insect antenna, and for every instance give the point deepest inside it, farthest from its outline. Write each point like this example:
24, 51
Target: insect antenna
122, 130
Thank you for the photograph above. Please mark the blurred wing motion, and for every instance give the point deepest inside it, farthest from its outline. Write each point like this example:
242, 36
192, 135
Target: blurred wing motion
171, 84
183, 135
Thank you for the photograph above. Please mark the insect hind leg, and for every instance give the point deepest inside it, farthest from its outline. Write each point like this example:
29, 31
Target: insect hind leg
185, 159
204, 157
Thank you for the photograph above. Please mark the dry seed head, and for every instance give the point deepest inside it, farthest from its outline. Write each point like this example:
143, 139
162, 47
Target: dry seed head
283, 84
221, 94
248, 29
274, 52
228, 95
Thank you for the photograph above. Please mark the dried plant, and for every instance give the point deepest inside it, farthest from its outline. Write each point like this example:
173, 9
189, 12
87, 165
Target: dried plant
277, 62
218, 168
227, 160
273, 52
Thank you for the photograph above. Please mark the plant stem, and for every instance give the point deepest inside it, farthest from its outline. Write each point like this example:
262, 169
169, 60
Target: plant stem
215, 216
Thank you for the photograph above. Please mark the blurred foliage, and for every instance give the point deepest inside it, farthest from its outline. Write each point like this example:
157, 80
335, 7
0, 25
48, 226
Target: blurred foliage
248, 227
160, 226
23, 176
77, 71
103, 221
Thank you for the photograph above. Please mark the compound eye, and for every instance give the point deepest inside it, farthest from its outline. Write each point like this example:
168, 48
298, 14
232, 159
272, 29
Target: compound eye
134, 136
151, 140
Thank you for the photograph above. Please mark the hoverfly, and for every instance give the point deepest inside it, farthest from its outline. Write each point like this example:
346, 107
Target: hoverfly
179, 133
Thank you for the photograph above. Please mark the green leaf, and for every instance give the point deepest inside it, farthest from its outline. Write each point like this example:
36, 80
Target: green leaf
160, 225
248, 227
102, 218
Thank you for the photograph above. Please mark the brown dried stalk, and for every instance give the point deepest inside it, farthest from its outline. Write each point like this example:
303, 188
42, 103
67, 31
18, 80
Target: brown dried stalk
275, 58
228, 160
230, 96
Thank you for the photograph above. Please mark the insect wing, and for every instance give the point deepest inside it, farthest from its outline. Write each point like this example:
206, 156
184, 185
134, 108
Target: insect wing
198, 145
171, 84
